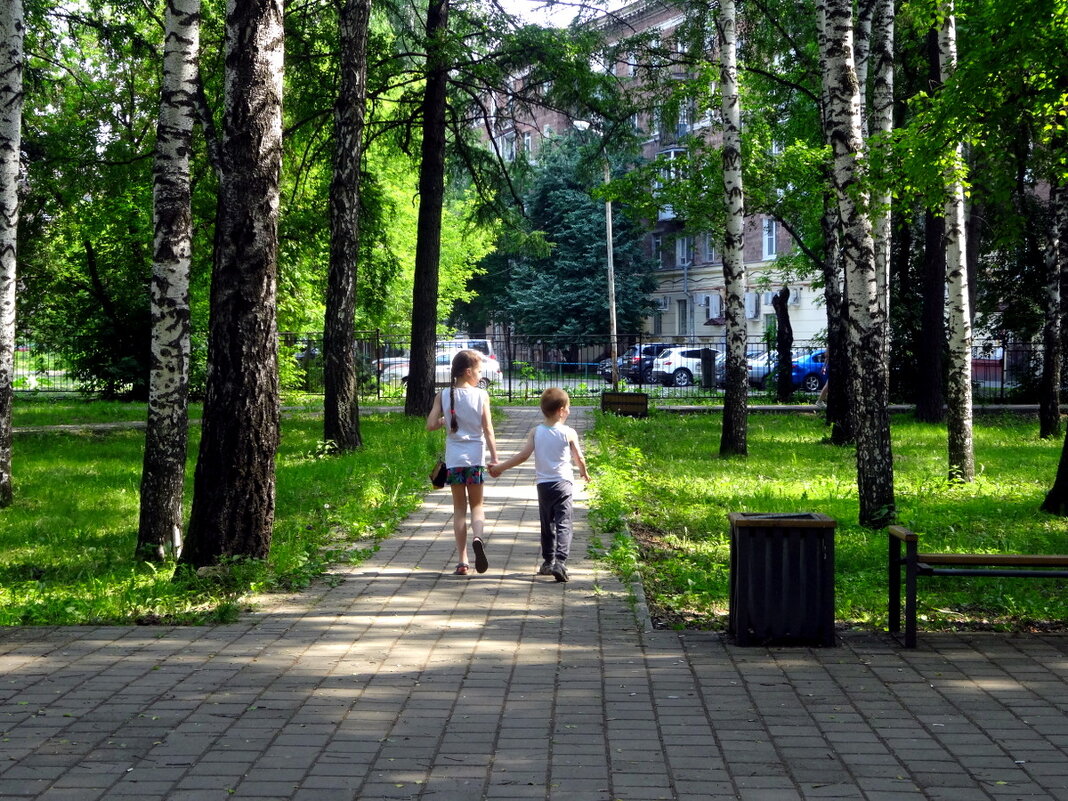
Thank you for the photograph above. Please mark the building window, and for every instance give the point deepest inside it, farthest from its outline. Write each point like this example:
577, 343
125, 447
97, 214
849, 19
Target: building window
770, 238
710, 248
657, 243
658, 324
685, 118
680, 323
684, 251
528, 146
508, 146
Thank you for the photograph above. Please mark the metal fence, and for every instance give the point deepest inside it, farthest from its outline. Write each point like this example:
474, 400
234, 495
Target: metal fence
523, 366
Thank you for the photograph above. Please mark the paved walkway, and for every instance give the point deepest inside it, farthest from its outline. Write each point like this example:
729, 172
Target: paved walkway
398, 680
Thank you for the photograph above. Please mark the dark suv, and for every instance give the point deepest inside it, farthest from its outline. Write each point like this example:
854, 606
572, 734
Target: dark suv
636, 362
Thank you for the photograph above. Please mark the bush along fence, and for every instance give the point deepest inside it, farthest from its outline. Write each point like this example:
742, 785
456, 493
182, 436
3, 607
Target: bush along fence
521, 367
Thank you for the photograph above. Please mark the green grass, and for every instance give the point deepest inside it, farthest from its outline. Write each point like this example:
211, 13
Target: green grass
661, 480
66, 545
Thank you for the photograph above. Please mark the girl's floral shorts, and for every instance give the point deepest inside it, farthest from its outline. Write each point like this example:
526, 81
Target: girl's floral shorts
466, 475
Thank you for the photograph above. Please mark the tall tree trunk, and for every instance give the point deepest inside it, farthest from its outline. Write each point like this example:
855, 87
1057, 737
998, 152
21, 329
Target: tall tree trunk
862, 42
882, 123
233, 498
163, 472
784, 345
1049, 406
420, 395
1056, 501
12, 58
959, 324
871, 421
930, 400
734, 436
341, 420
839, 406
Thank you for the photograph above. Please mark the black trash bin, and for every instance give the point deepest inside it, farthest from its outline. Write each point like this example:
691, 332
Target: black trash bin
782, 579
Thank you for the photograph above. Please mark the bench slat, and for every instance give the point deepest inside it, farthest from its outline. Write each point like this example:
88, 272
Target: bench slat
995, 559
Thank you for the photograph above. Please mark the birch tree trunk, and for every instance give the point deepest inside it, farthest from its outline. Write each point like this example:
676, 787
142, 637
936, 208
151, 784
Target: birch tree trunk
12, 59
959, 320
341, 420
420, 393
233, 497
882, 123
163, 472
733, 439
1049, 405
868, 381
839, 405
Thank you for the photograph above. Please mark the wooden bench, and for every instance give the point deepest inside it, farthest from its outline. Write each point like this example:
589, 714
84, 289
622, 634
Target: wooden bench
1013, 565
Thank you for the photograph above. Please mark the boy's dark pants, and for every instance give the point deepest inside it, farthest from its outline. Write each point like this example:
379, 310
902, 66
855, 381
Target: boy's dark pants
554, 509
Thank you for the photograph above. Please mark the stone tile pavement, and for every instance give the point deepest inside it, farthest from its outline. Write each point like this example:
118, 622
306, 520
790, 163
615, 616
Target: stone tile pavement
398, 680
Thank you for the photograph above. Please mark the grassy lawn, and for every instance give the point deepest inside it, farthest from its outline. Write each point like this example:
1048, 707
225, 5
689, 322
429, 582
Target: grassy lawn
661, 479
66, 546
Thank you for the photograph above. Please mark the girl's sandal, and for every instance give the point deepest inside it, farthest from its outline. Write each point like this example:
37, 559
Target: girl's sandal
461, 569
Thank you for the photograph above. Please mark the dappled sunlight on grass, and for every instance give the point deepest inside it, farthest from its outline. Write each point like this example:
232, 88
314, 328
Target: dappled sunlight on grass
67, 544
662, 478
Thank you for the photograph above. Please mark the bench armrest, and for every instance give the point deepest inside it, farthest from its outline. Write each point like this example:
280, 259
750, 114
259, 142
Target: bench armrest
902, 533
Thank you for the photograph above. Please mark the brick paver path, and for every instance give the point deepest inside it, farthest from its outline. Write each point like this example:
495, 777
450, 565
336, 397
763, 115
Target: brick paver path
398, 680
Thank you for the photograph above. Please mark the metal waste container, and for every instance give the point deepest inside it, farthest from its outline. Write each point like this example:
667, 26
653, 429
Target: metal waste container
782, 579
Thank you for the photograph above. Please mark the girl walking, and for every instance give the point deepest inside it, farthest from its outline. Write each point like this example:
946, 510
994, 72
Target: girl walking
464, 411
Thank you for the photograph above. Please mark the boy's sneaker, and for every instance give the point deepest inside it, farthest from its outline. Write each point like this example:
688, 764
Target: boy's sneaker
559, 571
546, 569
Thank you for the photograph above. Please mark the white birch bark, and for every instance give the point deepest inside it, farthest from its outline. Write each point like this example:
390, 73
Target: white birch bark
734, 432
958, 323
163, 473
862, 47
12, 59
868, 381
882, 123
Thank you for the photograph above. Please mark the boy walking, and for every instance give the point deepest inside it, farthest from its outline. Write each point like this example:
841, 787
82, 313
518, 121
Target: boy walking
555, 446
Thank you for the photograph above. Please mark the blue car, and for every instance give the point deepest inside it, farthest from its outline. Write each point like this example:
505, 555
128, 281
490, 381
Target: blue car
809, 371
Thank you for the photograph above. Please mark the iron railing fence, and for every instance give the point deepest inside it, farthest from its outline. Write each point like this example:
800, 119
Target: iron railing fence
525, 365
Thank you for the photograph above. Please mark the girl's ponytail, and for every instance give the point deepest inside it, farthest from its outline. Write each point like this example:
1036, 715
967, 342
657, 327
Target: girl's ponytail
461, 362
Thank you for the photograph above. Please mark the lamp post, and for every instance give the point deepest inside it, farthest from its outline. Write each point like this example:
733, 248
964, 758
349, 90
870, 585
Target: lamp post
613, 347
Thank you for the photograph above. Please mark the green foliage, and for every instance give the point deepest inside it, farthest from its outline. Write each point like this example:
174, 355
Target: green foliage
661, 480
565, 291
66, 546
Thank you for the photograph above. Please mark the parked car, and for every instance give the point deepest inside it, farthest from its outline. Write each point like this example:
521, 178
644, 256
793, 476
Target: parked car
635, 363
483, 346
397, 373
810, 370
808, 373
761, 366
681, 367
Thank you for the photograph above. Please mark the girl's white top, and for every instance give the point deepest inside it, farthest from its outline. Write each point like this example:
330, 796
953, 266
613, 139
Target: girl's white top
465, 447
552, 453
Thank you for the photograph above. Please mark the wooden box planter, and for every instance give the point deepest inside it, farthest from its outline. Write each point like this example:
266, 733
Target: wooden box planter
629, 404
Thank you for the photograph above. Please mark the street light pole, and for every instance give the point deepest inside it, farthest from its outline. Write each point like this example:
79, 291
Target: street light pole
613, 343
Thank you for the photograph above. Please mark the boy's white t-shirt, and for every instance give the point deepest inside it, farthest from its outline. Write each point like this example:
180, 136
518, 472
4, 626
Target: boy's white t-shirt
552, 453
